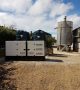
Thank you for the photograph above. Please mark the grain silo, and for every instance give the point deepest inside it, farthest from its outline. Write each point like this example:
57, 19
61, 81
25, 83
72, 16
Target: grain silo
64, 34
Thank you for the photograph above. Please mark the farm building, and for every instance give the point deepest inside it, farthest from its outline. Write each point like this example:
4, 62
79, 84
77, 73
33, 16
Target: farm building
76, 39
22, 35
41, 35
37, 35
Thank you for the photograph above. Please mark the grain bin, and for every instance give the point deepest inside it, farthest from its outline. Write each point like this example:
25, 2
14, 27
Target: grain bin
64, 34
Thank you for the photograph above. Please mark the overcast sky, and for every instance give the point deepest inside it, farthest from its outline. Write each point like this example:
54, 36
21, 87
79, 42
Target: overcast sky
31, 15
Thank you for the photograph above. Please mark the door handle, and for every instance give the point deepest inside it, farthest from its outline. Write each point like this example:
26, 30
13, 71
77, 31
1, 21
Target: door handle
28, 49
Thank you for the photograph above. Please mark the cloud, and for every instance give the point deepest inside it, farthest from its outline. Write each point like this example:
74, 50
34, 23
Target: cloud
40, 7
60, 9
19, 6
76, 20
32, 15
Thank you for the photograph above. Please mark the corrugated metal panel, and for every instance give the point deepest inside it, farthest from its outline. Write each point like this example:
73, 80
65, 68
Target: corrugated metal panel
58, 37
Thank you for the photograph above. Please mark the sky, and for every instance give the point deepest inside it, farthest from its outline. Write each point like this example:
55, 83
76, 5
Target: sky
31, 15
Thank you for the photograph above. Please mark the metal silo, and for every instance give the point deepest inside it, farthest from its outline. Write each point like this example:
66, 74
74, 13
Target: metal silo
64, 34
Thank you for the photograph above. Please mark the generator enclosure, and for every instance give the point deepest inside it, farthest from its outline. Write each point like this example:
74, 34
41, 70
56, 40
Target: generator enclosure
35, 48
24, 49
15, 48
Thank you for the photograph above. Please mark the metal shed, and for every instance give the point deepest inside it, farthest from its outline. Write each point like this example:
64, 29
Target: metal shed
76, 39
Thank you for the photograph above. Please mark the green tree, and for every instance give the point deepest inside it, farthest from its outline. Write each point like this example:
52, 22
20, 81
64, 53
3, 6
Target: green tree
50, 41
6, 33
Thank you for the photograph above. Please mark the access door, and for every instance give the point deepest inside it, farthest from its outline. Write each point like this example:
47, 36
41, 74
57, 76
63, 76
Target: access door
39, 47
35, 48
21, 48
11, 48
15, 48
30, 48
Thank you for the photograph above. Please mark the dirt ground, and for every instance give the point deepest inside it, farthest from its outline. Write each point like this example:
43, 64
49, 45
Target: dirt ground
58, 72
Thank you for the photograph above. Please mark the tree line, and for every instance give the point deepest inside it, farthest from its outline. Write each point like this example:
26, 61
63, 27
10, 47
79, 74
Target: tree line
6, 33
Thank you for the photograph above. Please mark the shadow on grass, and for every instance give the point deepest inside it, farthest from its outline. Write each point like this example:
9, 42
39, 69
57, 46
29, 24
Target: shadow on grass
6, 82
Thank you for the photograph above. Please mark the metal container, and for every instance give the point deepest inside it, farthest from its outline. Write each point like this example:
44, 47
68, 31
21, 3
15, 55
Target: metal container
64, 32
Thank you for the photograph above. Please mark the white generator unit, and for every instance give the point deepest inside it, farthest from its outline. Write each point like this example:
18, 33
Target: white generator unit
35, 48
15, 48
27, 49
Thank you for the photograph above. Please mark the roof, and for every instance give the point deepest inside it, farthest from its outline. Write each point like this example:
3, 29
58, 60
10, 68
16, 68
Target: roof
76, 28
41, 31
